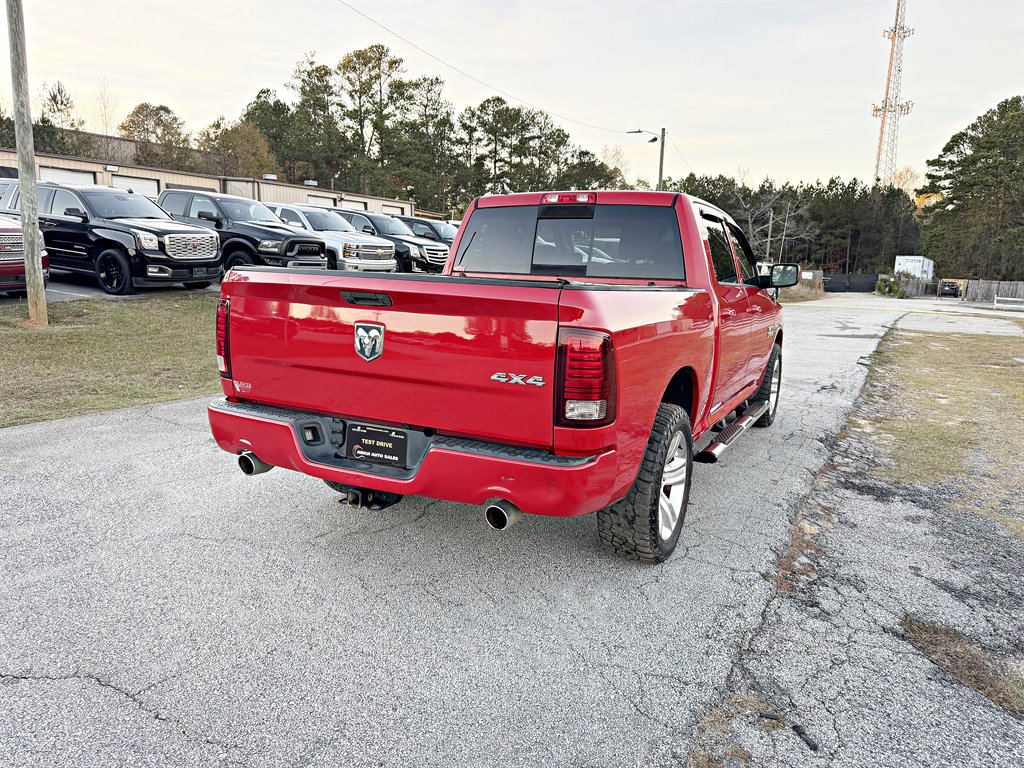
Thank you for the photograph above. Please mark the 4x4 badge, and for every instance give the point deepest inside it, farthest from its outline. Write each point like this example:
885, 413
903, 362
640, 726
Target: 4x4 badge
369, 340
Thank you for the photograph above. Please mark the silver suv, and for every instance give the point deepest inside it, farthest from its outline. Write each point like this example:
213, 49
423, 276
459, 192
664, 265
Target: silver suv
346, 248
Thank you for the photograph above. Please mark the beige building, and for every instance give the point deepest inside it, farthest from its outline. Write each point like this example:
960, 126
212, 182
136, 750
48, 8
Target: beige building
152, 181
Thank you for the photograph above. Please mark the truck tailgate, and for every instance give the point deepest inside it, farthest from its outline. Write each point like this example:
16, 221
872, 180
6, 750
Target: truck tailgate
293, 343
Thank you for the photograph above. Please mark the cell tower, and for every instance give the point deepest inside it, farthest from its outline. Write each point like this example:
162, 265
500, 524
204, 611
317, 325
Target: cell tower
892, 109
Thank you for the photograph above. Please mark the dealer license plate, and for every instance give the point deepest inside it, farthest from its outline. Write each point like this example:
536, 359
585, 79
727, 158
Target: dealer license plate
381, 445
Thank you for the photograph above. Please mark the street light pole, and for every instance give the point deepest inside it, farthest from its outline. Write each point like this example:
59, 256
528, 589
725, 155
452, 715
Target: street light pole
661, 157
661, 160
26, 165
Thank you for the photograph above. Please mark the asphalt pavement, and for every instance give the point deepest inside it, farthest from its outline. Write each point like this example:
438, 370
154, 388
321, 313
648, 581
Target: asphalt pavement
159, 608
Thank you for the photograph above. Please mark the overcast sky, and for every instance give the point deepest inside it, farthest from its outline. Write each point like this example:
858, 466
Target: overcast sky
781, 88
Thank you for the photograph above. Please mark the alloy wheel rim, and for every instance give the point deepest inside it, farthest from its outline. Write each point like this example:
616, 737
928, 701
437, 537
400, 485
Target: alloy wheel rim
110, 273
673, 486
773, 393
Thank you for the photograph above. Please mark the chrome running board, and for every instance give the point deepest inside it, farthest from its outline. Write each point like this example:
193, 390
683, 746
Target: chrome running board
728, 436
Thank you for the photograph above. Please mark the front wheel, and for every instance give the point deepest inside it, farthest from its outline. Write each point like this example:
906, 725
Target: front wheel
113, 273
645, 525
771, 385
237, 259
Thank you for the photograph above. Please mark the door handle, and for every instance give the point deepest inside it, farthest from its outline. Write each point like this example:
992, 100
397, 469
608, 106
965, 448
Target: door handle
49, 224
727, 312
756, 309
361, 299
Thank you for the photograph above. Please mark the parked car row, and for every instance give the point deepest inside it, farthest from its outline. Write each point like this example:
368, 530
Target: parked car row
126, 240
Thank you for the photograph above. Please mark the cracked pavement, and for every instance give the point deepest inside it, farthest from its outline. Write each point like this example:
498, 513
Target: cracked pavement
159, 608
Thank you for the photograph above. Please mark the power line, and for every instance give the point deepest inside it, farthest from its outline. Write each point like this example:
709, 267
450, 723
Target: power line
462, 72
680, 153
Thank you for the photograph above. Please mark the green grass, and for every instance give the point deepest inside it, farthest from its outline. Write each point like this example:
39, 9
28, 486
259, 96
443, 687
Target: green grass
949, 395
103, 354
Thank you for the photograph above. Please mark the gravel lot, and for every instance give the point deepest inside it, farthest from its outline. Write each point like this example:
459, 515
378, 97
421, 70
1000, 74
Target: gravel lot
161, 609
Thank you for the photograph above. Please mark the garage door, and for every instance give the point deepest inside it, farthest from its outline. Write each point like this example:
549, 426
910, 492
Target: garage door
148, 187
66, 176
393, 210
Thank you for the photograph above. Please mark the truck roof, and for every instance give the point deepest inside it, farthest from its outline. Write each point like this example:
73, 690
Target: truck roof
603, 197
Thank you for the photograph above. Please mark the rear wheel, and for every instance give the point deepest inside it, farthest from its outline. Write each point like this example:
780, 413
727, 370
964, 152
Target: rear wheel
771, 385
113, 273
645, 525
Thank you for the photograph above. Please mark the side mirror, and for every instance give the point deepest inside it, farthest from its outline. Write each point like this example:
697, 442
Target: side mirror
429, 234
77, 213
209, 216
369, 230
785, 275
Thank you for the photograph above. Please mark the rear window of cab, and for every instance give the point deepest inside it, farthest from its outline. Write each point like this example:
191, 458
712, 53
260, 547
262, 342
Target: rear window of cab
627, 241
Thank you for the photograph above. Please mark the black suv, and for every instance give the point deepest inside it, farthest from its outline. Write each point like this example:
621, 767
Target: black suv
249, 232
121, 237
949, 288
432, 229
413, 254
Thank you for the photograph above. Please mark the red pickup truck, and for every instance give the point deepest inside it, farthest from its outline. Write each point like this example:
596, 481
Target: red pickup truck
574, 348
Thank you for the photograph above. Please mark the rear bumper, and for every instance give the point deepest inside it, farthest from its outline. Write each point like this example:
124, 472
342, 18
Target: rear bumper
455, 470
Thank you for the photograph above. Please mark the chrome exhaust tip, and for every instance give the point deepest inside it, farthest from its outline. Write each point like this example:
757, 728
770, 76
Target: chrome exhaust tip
502, 515
250, 464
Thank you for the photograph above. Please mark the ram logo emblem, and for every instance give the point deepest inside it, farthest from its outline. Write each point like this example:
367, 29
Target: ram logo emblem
369, 340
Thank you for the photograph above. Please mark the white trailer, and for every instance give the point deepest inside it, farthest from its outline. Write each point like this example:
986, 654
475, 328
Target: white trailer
917, 266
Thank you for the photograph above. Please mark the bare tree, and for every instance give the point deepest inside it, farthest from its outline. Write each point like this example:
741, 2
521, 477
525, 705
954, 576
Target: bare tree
108, 117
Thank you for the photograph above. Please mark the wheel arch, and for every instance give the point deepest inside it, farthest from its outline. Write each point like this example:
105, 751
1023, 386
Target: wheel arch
683, 390
234, 245
107, 239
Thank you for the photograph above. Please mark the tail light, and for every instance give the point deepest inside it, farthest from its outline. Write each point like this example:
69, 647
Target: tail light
223, 338
586, 378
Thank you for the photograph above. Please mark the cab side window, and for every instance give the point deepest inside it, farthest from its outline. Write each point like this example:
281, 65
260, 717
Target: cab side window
62, 200
360, 221
293, 218
174, 203
201, 204
748, 264
421, 229
721, 253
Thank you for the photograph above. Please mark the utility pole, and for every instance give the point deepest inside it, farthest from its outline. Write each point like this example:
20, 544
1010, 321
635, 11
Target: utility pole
26, 165
661, 160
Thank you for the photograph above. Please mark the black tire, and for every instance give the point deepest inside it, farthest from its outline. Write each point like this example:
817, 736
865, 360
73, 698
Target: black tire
771, 372
237, 259
199, 285
114, 273
631, 527
399, 264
